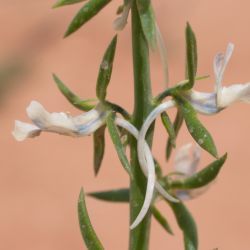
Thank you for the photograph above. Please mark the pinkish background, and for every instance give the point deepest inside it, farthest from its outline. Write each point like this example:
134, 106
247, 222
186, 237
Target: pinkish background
40, 179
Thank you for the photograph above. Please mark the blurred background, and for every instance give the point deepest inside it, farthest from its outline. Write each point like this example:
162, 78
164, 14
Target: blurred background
40, 179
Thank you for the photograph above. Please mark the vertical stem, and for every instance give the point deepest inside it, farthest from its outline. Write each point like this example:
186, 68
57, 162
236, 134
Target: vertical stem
139, 237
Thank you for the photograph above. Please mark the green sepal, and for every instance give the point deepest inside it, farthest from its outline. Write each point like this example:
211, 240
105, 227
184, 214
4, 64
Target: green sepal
177, 126
187, 225
61, 3
191, 57
195, 127
89, 10
161, 220
89, 236
99, 148
148, 26
75, 100
201, 178
105, 70
116, 195
169, 127
114, 134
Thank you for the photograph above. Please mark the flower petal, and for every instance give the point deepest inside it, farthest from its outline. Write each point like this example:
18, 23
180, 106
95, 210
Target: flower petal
202, 102
220, 62
63, 123
234, 93
23, 131
186, 163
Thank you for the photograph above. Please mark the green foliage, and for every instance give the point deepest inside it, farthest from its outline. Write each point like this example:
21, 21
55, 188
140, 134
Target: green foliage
169, 127
114, 134
122, 195
191, 56
89, 10
90, 238
177, 126
117, 195
161, 220
71, 97
148, 25
61, 3
105, 70
143, 5
195, 127
201, 178
186, 224
99, 148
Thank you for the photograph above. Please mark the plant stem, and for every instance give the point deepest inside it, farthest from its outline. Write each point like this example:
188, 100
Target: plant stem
139, 237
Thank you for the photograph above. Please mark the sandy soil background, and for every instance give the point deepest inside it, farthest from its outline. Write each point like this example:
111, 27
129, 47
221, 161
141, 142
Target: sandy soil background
40, 179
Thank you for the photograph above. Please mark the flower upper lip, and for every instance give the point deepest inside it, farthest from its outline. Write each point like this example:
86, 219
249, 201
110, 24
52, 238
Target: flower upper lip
222, 97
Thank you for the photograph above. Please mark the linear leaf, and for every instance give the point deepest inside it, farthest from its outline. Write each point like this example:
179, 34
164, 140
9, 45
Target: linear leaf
99, 148
148, 26
161, 220
89, 10
201, 178
61, 3
114, 134
191, 57
122, 195
105, 70
195, 127
187, 225
177, 125
143, 5
117, 195
169, 127
71, 97
90, 238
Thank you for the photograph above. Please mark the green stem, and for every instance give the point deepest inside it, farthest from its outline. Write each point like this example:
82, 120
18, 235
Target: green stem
139, 237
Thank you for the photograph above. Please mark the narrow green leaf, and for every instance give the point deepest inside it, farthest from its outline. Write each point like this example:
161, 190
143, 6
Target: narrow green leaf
99, 148
90, 238
71, 97
195, 127
122, 195
143, 5
148, 26
201, 178
117, 195
161, 220
177, 125
105, 70
158, 170
89, 10
114, 134
61, 3
169, 127
191, 56
187, 225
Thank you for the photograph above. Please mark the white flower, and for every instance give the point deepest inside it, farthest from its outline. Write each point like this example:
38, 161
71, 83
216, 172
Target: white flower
222, 97
185, 165
86, 124
60, 123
